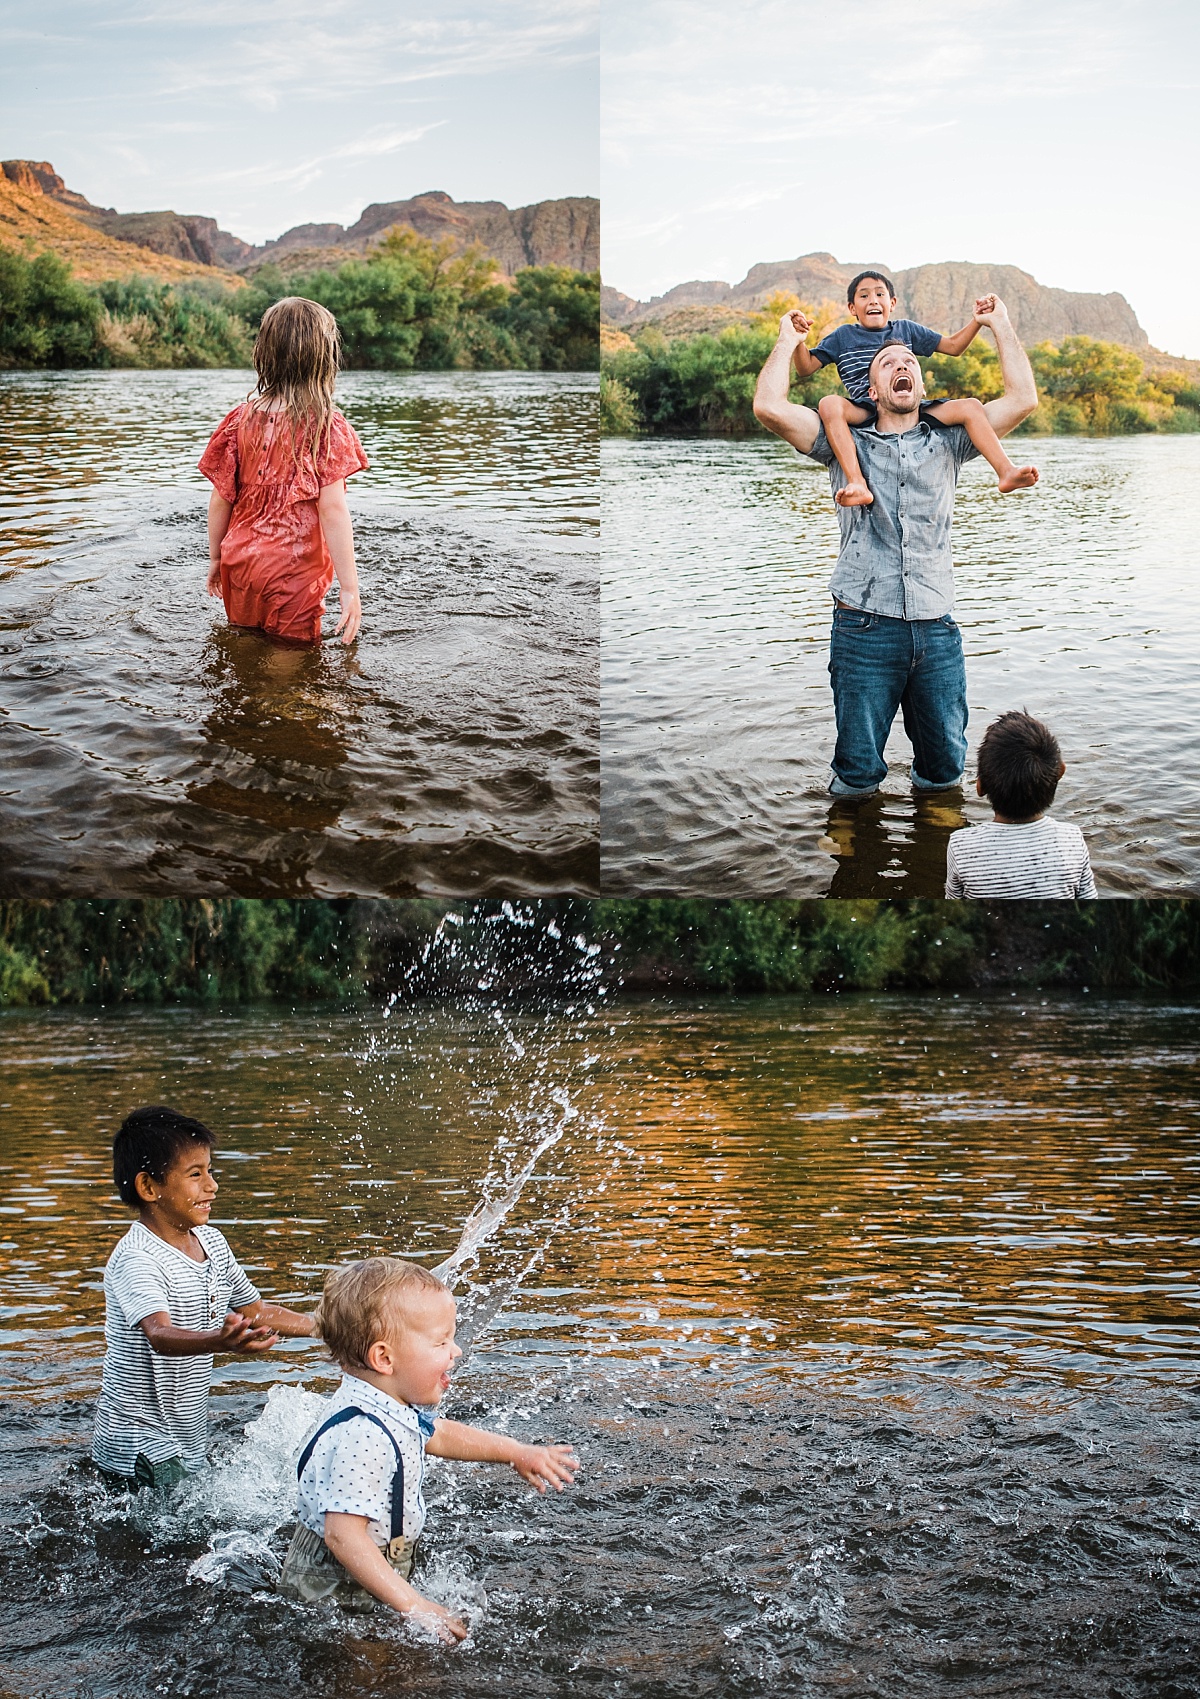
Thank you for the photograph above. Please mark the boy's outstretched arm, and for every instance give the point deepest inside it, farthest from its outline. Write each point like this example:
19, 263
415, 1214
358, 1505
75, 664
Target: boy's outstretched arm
795, 424
348, 1540
1020, 391
962, 339
802, 355
236, 1334
291, 1324
540, 1465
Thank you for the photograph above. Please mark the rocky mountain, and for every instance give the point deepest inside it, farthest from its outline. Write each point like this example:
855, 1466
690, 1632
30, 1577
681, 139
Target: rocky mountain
563, 232
940, 295
29, 215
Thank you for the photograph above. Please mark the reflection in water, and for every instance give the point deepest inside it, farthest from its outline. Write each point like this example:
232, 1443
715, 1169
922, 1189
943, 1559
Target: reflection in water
455, 752
873, 1318
276, 745
1078, 602
900, 839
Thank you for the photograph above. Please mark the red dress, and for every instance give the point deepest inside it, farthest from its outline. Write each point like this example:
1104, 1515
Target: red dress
275, 567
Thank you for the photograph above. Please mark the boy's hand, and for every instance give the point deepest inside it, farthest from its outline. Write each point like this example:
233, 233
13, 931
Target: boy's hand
801, 323
439, 1621
212, 583
546, 1465
990, 307
238, 1333
350, 616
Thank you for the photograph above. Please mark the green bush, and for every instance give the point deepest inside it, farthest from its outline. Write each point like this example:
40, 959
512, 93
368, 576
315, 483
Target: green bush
46, 318
553, 315
410, 303
619, 416
149, 324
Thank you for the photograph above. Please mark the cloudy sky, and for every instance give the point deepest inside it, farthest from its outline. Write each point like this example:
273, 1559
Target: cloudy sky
269, 113
1056, 136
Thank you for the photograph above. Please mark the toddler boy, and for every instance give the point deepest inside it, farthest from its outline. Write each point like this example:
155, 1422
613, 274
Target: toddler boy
872, 299
174, 1294
1020, 853
390, 1325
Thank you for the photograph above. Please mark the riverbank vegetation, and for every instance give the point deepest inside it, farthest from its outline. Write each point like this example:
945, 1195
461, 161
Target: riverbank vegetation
410, 304
236, 950
705, 384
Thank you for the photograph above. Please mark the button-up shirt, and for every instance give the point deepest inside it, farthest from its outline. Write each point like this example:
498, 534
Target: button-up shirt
895, 556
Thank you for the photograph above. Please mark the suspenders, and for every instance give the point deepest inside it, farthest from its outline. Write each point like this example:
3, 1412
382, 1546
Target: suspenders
346, 1415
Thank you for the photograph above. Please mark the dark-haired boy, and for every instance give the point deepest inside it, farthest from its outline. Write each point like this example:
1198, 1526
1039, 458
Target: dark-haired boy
174, 1294
852, 347
1020, 853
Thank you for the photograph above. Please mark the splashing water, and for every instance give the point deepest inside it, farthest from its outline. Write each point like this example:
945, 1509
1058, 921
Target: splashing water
253, 1485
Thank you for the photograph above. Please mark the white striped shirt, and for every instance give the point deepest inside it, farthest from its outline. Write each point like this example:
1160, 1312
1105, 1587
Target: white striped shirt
1038, 858
149, 1403
352, 1466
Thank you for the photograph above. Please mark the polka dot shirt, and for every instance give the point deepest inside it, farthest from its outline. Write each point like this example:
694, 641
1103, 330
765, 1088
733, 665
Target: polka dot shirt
350, 1471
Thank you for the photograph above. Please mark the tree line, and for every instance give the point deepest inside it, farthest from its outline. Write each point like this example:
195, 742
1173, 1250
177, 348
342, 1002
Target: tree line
237, 950
705, 383
409, 304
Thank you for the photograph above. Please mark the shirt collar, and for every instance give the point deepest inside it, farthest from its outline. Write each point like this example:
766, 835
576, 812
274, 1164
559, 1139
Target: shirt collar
368, 1397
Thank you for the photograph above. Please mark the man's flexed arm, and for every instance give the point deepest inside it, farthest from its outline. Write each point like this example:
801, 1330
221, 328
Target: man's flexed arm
797, 425
1020, 391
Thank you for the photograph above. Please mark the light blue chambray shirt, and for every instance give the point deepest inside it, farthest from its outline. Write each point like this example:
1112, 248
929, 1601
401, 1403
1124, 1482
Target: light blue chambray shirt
895, 556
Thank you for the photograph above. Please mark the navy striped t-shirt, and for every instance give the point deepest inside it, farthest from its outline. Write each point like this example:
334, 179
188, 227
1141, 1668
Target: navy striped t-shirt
852, 347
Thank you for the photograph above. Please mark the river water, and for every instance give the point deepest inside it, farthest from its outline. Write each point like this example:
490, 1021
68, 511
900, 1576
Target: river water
1079, 602
873, 1320
148, 749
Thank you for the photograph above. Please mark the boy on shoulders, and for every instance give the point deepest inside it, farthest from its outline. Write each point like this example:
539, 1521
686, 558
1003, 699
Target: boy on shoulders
852, 347
174, 1295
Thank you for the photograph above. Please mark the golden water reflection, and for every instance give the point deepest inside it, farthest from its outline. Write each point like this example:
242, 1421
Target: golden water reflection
851, 1186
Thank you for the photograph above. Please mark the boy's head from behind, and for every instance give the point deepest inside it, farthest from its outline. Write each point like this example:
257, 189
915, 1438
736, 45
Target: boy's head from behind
1019, 767
151, 1141
871, 297
393, 1322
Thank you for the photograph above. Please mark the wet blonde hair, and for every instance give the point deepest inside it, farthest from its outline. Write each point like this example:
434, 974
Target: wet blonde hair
297, 353
362, 1300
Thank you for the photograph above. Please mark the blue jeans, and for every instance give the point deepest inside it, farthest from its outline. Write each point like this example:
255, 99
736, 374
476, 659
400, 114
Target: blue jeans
877, 665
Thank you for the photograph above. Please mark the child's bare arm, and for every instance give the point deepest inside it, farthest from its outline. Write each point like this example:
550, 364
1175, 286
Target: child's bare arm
237, 1333
802, 357
961, 340
349, 1541
290, 1324
540, 1465
339, 537
219, 513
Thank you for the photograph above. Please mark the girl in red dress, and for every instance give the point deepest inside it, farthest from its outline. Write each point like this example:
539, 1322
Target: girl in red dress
278, 525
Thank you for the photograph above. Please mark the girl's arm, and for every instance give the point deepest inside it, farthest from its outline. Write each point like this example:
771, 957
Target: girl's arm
540, 1465
348, 1540
339, 539
219, 512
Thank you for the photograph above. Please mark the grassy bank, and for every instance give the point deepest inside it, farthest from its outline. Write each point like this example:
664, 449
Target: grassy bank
410, 304
235, 950
705, 384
